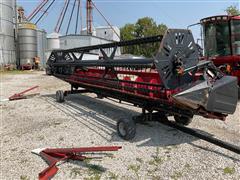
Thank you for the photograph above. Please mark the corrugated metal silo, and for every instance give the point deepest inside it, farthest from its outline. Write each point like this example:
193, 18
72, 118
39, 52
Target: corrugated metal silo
42, 46
7, 44
53, 41
27, 42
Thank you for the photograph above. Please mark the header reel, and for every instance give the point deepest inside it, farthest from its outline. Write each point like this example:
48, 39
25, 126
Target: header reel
193, 84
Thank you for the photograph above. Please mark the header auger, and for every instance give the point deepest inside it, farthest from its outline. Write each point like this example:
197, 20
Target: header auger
172, 83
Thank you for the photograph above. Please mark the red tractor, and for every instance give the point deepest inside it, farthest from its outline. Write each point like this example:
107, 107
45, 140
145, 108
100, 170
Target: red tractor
221, 35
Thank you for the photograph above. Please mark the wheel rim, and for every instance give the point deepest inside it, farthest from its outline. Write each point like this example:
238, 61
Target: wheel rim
121, 129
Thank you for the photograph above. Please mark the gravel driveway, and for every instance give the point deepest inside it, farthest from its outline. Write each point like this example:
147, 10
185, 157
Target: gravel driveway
157, 151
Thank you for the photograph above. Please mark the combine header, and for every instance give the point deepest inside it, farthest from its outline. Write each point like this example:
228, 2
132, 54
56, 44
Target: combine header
172, 83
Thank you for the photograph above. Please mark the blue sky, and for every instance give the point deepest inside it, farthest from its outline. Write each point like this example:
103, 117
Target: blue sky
173, 13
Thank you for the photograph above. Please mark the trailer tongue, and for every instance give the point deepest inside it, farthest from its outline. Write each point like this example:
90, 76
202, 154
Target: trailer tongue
173, 83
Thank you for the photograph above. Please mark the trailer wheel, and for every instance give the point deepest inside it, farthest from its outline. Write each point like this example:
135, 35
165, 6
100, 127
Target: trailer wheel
183, 120
60, 96
126, 129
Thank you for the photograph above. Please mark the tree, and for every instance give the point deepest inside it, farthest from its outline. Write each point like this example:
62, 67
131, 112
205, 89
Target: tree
232, 10
144, 27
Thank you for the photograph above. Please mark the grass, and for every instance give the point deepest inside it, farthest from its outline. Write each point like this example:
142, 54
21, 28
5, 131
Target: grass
156, 159
23, 161
24, 177
139, 160
94, 177
75, 172
187, 166
112, 176
176, 175
135, 168
40, 138
229, 170
94, 171
14, 72
61, 138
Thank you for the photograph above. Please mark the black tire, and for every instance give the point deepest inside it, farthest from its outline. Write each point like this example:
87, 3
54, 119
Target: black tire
48, 71
126, 129
183, 120
60, 96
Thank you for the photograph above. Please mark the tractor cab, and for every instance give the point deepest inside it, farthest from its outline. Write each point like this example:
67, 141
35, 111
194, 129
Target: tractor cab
221, 35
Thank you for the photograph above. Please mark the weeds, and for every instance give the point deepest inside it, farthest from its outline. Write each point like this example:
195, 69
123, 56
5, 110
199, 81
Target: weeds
156, 159
229, 170
75, 172
113, 176
94, 171
139, 160
23, 177
176, 175
40, 138
135, 169
61, 138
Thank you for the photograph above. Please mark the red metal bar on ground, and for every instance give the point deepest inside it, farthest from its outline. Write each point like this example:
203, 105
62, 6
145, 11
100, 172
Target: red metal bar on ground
21, 94
53, 156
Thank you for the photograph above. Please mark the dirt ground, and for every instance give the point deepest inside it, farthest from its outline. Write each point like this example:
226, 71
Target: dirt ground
157, 151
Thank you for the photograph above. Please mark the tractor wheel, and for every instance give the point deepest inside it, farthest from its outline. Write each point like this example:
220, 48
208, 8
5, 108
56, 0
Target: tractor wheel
60, 96
183, 120
126, 129
48, 71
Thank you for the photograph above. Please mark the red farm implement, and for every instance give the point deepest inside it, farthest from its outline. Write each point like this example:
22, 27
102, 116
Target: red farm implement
54, 156
221, 35
172, 83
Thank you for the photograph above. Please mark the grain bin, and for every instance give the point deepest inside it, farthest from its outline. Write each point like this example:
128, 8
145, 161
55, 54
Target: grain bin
42, 47
53, 41
27, 43
7, 44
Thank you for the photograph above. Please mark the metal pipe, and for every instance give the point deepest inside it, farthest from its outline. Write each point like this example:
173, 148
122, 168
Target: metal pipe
60, 17
108, 63
37, 9
70, 19
139, 41
63, 16
212, 140
106, 20
78, 9
45, 11
81, 16
89, 16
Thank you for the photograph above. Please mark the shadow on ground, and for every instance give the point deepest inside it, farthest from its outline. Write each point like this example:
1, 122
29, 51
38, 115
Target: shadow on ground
101, 117
239, 94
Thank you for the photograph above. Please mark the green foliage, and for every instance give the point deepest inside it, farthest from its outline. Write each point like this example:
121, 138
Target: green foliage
229, 170
232, 10
112, 176
176, 175
95, 169
144, 27
135, 169
23, 177
156, 159
75, 172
